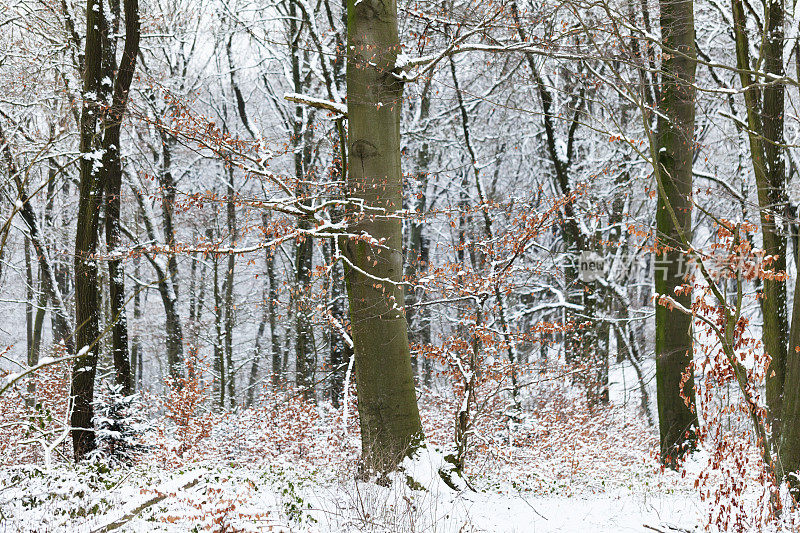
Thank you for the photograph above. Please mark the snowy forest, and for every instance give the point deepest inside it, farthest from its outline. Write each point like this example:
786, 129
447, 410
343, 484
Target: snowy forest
399, 265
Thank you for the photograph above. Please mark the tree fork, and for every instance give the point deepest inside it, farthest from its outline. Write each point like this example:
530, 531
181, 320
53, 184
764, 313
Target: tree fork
87, 313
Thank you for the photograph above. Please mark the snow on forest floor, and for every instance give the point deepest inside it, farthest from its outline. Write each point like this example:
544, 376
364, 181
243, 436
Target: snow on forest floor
284, 487
279, 498
287, 465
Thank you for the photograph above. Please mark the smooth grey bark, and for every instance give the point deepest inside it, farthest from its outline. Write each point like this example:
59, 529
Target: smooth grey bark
387, 403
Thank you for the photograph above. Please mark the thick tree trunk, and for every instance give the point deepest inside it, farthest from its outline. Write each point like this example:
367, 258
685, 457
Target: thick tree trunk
87, 312
97, 168
765, 133
674, 152
387, 403
119, 332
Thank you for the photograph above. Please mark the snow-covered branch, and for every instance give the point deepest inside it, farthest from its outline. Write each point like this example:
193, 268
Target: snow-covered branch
319, 103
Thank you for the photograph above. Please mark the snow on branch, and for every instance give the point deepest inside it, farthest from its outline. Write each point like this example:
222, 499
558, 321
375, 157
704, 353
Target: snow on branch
10, 379
319, 103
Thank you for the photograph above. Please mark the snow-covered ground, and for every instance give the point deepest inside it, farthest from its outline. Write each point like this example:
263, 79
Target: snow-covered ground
287, 465
272, 498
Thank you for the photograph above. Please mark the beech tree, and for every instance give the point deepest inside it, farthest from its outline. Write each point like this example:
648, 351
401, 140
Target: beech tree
387, 402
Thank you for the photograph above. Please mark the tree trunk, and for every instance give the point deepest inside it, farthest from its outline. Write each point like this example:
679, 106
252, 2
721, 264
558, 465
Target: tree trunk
174, 329
219, 351
272, 300
229, 301
790, 434
169, 197
28, 296
674, 153
340, 351
30, 329
169, 298
773, 206
387, 403
305, 348
87, 312
112, 170
258, 351
304, 251
136, 343
417, 250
